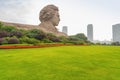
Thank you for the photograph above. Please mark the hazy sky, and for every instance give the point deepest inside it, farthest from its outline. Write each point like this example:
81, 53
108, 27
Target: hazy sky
76, 14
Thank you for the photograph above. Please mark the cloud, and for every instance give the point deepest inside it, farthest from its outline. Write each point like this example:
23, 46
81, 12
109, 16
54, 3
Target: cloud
15, 10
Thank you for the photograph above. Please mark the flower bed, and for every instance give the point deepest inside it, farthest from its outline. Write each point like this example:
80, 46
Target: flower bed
27, 46
30, 46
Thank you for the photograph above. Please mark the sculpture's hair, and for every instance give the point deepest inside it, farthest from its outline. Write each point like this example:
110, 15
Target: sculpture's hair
47, 12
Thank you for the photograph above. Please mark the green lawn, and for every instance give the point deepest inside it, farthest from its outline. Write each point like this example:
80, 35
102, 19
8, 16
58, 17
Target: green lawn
61, 63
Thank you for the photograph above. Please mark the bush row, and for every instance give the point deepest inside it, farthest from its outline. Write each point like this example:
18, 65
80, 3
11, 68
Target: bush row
12, 35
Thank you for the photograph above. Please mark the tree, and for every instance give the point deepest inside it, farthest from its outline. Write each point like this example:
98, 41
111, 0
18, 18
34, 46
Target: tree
78, 37
81, 36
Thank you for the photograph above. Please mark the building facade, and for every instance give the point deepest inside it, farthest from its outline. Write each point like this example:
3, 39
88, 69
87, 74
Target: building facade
90, 32
65, 30
116, 32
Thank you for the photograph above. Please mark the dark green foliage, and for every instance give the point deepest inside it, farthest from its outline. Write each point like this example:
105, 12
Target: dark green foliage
13, 41
53, 38
36, 36
79, 36
47, 40
40, 36
32, 33
3, 33
1, 40
63, 39
73, 38
8, 28
116, 43
78, 39
76, 42
16, 33
1, 24
28, 40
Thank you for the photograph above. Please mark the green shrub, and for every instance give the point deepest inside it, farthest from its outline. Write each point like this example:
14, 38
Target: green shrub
47, 41
3, 41
8, 28
13, 41
28, 40
63, 39
16, 33
3, 34
76, 42
116, 43
1, 25
40, 36
53, 38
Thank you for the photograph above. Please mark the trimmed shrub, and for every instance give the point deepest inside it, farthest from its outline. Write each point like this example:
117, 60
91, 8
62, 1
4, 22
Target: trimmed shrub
47, 41
40, 36
32, 33
76, 42
13, 41
37, 34
3, 34
3, 41
53, 38
64, 39
28, 40
16, 33
8, 28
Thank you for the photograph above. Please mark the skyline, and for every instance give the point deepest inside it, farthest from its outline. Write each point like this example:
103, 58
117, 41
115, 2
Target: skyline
76, 15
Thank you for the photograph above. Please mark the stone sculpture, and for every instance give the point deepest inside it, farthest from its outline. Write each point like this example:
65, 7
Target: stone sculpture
49, 17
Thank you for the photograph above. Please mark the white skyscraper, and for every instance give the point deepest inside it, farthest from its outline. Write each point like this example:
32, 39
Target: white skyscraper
64, 29
116, 32
90, 32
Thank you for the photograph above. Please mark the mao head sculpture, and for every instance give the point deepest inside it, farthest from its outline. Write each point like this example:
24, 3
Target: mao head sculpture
50, 14
49, 17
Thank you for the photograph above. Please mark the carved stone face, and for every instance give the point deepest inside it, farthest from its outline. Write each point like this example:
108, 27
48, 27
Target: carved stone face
55, 19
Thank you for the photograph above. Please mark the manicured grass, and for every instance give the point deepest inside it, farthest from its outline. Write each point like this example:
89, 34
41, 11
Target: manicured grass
61, 63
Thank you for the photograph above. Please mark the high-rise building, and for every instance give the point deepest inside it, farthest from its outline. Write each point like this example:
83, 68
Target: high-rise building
116, 32
90, 32
64, 29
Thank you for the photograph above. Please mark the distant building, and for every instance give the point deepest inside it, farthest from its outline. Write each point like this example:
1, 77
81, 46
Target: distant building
116, 32
90, 32
64, 29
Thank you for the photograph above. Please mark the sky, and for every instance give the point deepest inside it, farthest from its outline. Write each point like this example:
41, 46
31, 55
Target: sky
75, 14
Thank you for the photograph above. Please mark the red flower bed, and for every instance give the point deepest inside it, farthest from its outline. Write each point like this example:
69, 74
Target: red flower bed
14, 47
41, 46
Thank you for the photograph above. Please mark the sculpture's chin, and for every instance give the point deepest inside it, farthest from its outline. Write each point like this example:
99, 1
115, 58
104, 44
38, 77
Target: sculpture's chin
55, 24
